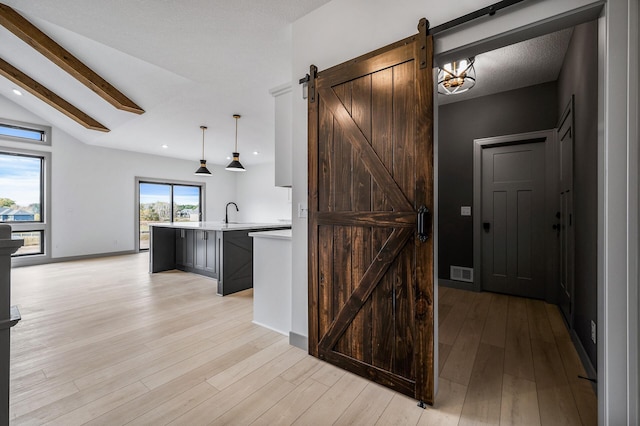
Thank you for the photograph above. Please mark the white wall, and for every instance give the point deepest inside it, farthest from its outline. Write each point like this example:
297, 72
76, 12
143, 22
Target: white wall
93, 189
258, 199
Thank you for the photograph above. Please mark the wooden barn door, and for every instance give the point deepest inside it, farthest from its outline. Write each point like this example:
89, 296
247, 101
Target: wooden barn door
370, 227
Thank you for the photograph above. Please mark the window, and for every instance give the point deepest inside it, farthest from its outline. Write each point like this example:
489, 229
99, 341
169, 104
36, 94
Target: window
22, 196
25, 132
19, 132
166, 202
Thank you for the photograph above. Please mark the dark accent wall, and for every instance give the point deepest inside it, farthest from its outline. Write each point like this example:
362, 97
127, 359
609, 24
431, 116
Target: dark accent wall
579, 76
516, 111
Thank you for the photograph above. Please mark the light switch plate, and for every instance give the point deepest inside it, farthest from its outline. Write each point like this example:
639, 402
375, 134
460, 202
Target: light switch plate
465, 211
302, 210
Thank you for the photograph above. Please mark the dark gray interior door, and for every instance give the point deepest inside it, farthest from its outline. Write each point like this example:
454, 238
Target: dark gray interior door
513, 185
565, 226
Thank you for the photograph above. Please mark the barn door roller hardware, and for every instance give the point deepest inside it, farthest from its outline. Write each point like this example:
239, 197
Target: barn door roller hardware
488, 10
309, 81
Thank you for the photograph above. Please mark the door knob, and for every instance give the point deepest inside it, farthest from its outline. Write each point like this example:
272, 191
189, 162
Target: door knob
486, 226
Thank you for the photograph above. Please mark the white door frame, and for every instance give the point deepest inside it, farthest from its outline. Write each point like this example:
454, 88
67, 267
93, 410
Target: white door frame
618, 214
548, 137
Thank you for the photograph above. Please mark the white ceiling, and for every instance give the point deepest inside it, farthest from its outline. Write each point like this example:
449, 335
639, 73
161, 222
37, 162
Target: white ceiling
198, 62
187, 63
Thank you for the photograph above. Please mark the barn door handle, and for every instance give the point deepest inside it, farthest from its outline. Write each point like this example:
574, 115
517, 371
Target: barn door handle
423, 221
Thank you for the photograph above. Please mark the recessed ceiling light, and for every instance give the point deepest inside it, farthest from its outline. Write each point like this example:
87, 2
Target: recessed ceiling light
17, 92
165, 146
255, 153
228, 158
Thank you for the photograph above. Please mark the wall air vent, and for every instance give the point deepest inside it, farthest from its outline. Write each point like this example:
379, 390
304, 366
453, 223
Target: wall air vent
459, 273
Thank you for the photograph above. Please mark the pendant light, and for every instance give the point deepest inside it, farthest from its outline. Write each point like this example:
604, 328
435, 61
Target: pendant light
203, 171
457, 77
235, 165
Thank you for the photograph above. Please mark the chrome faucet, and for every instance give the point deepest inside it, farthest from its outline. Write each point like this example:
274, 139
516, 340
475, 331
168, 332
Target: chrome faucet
226, 211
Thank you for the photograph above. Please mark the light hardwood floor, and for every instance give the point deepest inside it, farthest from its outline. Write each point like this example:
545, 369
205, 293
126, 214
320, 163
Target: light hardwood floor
102, 342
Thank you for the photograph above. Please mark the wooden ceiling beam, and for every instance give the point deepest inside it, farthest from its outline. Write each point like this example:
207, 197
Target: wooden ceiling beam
57, 54
41, 92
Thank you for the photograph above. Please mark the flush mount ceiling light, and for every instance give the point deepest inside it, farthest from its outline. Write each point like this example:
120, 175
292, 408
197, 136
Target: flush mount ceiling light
457, 77
235, 165
203, 171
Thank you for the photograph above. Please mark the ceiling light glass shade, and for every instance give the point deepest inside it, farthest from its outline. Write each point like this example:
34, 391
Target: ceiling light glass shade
456, 77
202, 170
234, 165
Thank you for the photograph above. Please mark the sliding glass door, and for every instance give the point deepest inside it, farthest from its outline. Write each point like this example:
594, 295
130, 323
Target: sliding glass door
186, 203
166, 202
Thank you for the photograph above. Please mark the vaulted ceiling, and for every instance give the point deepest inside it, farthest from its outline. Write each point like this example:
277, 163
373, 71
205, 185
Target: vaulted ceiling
185, 63
198, 62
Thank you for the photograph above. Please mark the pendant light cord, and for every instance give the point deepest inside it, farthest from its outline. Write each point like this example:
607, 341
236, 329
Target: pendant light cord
236, 117
203, 129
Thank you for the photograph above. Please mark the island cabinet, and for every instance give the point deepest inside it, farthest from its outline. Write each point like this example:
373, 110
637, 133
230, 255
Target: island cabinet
223, 252
184, 248
206, 255
197, 251
236, 266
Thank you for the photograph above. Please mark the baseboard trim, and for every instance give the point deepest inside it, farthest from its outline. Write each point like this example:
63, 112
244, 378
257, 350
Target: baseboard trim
44, 261
299, 341
584, 358
456, 284
284, 333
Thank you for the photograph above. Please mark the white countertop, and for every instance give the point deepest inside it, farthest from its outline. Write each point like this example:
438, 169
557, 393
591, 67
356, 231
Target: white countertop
220, 226
280, 234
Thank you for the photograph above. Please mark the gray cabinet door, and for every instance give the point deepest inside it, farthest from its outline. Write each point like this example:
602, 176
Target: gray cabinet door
180, 247
211, 256
200, 250
512, 211
184, 248
188, 248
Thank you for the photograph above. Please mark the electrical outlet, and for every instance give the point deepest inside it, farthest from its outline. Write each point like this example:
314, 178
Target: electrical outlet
593, 331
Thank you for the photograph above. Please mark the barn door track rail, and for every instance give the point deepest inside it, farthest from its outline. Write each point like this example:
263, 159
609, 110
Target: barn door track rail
488, 10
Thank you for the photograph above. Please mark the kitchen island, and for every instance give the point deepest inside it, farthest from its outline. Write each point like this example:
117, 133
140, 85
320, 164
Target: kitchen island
272, 280
213, 249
